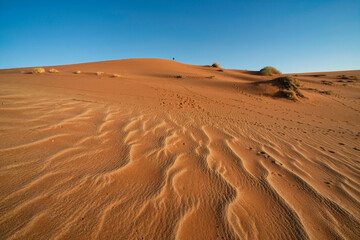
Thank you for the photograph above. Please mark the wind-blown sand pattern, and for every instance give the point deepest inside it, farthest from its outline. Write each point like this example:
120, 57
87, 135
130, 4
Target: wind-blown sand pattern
151, 156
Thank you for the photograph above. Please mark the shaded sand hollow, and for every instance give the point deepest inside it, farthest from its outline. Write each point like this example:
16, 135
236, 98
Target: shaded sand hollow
148, 155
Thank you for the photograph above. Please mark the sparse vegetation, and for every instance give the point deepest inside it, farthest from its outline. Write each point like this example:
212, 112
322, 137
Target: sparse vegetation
215, 64
220, 70
115, 75
343, 77
38, 70
289, 87
99, 73
53, 70
320, 91
354, 77
289, 94
325, 92
212, 76
179, 76
269, 71
77, 72
327, 82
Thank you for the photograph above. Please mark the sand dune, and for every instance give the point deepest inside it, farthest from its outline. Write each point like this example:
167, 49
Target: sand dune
152, 156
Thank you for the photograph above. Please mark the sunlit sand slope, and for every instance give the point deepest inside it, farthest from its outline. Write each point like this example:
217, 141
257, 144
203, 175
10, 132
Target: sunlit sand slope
152, 156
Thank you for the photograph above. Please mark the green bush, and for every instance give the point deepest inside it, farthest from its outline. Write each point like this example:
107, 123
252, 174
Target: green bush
269, 71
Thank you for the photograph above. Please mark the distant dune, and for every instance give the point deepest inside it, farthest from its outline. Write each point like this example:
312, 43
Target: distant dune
156, 149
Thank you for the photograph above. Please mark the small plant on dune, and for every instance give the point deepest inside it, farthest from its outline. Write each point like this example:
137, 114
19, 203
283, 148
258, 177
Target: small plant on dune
211, 77
289, 94
115, 75
325, 92
77, 72
327, 82
179, 76
53, 70
99, 73
354, 77
38, 70
343, 77
220, 70
215, 64
269, 71
289, 87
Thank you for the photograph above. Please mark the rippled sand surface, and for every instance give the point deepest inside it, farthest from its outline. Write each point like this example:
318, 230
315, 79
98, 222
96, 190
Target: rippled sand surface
152, 156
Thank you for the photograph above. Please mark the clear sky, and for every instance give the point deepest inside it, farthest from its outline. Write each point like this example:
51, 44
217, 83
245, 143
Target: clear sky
291, 35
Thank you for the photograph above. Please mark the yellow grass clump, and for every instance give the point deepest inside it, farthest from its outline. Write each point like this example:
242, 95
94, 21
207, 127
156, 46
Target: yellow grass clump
53, 70
38, 70
77, 72
99, 73
115, 75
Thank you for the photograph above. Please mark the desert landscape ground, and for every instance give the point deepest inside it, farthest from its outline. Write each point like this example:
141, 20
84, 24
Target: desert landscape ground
166, 150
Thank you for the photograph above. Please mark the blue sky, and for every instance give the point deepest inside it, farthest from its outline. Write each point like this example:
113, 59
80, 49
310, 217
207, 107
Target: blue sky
294, 36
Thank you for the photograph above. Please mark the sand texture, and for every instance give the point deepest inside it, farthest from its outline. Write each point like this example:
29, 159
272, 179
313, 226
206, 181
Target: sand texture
149, 155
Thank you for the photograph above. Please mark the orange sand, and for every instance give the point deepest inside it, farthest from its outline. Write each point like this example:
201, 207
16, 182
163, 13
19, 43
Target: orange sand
151, 156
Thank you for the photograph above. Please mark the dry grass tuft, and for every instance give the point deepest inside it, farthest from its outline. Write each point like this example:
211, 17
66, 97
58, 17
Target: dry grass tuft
269, 71
289, 87
99, 73
215, 64
38, 70
211, 77
115, 75
77, 72
179, 76
53, 70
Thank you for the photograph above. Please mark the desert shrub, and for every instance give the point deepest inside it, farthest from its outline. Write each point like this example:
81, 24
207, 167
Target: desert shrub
354, 77
115, 75
325, 92
343, 77
289, 94
215, 64
99, 73
179, 76
327, 82
53, 70
220, 70
38, 70
289, 87
77, 72
269, 71
212, 76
